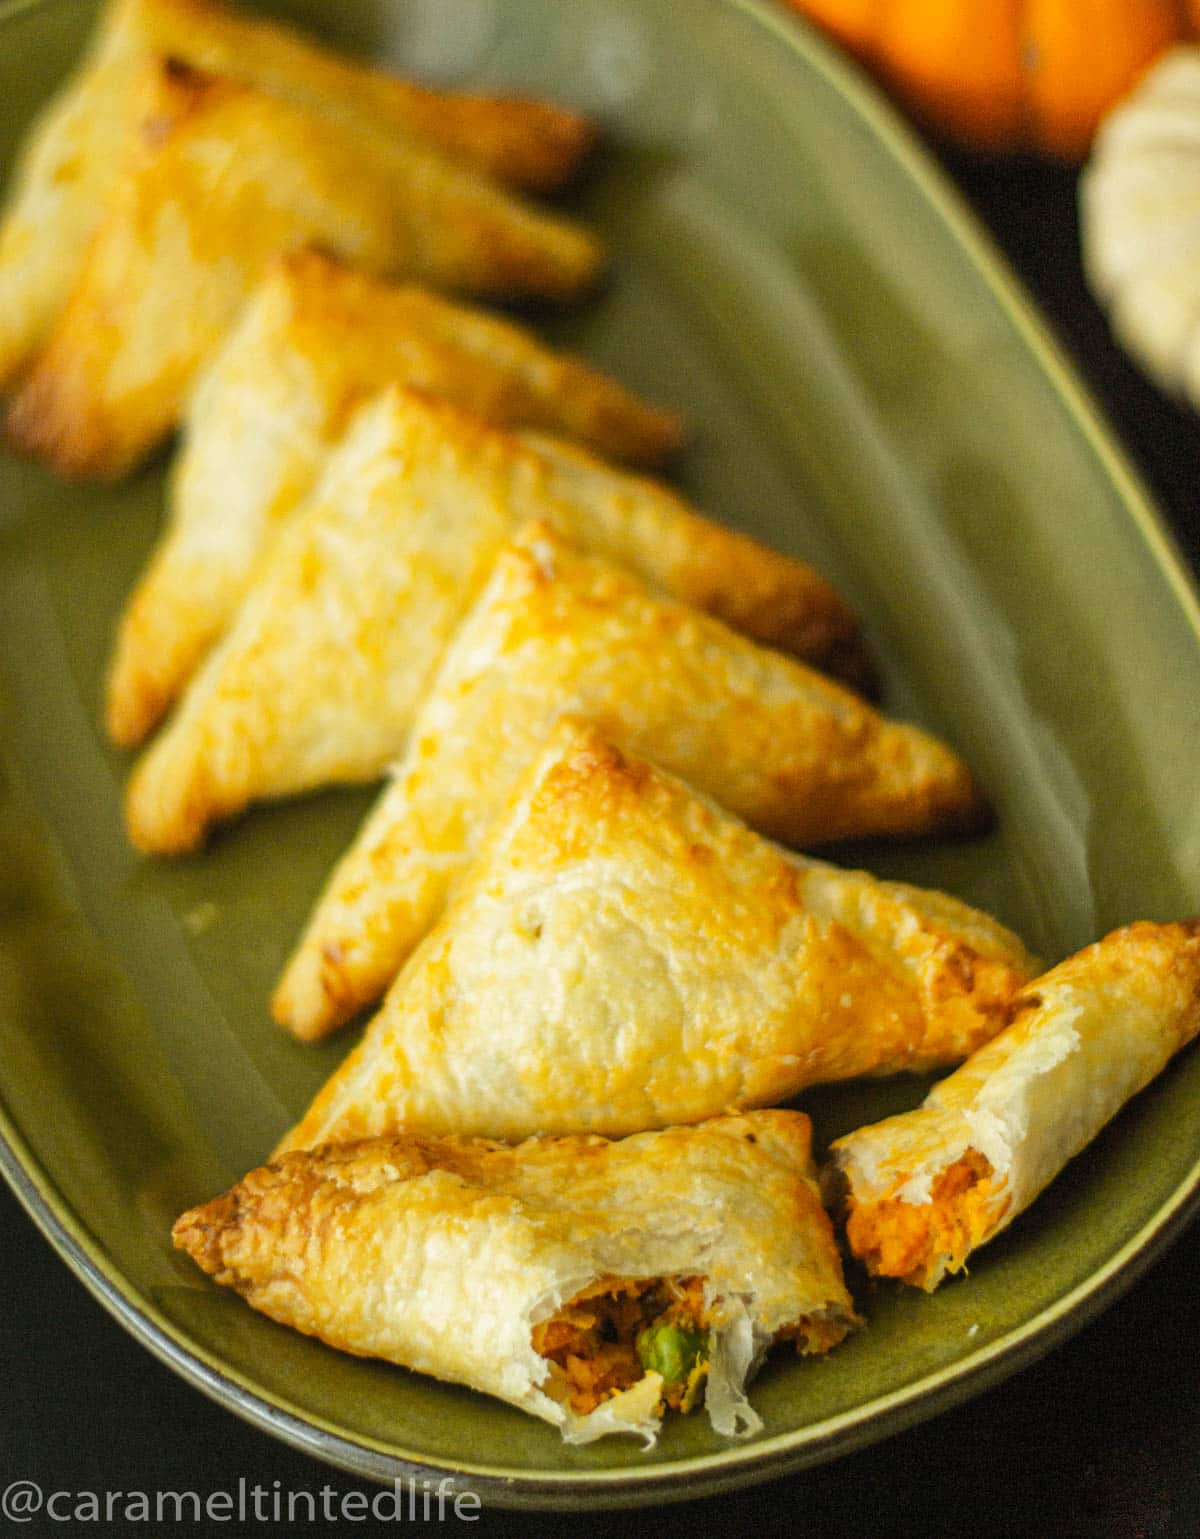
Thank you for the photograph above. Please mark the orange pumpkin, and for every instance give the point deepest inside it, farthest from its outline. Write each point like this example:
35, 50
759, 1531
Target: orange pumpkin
1008, 74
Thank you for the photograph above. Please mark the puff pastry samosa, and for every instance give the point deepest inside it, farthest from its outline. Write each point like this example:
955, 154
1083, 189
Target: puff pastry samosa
925, 1189
72, 152
623, 956
314, 342
218, 178
554, 633
319, 677
585, 1282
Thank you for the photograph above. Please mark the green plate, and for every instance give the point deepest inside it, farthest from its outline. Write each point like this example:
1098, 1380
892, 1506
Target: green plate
869, 389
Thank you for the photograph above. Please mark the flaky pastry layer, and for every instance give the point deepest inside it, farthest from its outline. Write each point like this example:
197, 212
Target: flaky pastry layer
445, 1255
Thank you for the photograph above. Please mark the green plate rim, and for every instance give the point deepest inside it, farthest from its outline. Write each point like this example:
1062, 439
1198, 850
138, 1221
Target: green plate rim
766, 1458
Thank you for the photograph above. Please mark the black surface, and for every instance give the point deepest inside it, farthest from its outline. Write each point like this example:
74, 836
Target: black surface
1100, 1439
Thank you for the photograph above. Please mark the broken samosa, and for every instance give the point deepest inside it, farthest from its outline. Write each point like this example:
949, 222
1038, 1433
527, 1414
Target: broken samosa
924, 1190
589, 1283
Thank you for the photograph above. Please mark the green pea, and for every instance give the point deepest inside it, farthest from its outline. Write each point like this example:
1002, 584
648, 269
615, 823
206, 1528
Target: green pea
672, 1350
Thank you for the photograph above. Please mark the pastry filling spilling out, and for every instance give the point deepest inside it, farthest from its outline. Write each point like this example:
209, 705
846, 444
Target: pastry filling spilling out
917, 1242
621, 1328
609, 1336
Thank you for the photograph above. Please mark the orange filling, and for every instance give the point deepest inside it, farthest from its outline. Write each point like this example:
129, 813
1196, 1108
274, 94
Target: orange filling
912, 1240
593, 1337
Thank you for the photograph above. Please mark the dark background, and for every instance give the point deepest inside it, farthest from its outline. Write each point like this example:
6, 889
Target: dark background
1102, 1438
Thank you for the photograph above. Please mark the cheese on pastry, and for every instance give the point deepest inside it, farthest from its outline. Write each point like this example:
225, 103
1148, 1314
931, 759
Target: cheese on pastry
790, 752
314, 342
925, 1189
319, 676
71, 152
585, 1282
217, 179
623, 955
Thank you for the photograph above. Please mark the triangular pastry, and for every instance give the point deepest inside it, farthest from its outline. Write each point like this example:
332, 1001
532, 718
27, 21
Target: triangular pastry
320, 675
70, 157
555, 633
527, 143
623, 955
585, 1282
313, 343
924, 1190
216, 180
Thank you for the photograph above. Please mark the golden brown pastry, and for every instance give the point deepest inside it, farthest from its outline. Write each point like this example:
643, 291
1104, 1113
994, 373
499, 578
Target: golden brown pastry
769, 597
926, 1189
320, 675
72, 150
315, 341
583, 1281
625, 956
527, 143
216, 180
57, 188
555, 633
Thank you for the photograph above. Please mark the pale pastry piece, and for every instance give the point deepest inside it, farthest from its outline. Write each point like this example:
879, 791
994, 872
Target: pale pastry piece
926, 1189
1139, 206
320, 675
314, 342
623, 955
555, 633
217, 179
72, 150
586, 1282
